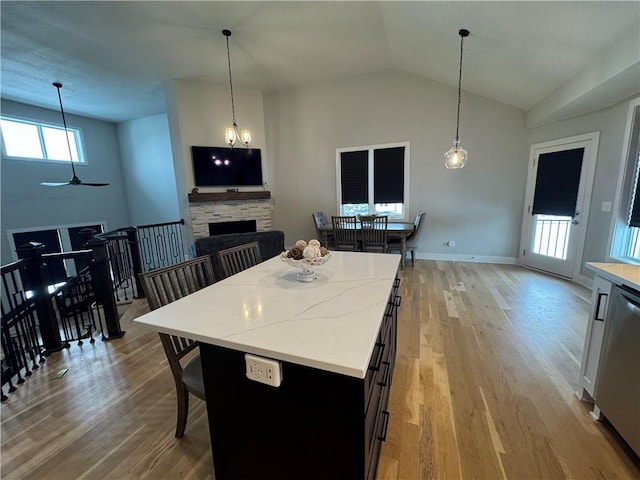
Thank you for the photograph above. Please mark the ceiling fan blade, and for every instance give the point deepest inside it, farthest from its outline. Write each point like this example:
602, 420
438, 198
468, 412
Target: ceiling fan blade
93, 184
54, 184
74, 181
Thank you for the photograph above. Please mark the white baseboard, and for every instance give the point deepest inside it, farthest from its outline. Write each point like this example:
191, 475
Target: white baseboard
448, 257
466, 258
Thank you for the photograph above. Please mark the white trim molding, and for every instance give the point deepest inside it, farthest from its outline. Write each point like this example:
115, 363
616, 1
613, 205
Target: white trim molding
466, 258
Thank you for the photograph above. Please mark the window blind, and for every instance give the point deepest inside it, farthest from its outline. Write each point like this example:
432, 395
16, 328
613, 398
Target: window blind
557, 183
354, 170
388, 175
634, 217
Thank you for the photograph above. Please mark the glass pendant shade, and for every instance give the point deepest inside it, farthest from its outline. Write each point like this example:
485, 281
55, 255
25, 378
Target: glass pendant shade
456, 156
245, 137
230, 136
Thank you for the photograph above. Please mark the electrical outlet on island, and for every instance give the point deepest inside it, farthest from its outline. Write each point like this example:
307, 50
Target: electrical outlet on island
263, 370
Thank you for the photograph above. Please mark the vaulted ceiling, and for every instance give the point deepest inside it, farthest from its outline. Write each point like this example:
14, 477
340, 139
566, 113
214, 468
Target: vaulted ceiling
113, 57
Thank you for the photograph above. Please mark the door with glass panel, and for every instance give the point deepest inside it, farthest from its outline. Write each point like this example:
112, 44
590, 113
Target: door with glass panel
557, 203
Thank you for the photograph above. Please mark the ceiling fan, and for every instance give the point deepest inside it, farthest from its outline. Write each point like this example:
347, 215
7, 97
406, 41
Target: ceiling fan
74, 179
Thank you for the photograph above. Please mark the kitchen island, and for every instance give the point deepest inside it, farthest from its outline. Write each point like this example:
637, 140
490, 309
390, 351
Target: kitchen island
331, 345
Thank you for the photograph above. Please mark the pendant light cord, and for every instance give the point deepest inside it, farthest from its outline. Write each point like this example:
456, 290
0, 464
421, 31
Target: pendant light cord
459, 85
233, 107
64, 122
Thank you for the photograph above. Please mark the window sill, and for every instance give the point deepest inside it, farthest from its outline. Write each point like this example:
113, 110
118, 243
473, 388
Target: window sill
48, 161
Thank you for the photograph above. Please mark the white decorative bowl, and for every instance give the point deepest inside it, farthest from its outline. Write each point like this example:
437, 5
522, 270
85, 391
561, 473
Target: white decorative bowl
306, 274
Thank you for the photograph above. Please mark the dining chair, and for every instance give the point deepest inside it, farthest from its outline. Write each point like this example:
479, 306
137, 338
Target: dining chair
237, 259
394, 243
320, 220
345, 233
166, 285
374, 233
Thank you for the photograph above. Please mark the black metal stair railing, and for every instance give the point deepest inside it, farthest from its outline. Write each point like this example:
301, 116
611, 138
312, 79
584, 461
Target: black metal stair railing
40, 318
135, 250
22, 349
160, 245
79, 313
120, 262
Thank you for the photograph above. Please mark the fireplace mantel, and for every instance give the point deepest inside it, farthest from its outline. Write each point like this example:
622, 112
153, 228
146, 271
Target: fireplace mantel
223, 196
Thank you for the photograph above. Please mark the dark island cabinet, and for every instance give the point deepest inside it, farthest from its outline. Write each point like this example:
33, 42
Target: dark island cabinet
316, 425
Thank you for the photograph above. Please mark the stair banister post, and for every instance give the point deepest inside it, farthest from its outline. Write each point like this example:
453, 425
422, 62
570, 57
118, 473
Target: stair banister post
36, 272
103, 286
136, 262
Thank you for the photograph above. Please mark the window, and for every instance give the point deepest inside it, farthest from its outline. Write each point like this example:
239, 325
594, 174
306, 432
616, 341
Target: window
56, 239
25, 140
373, 179
625, 244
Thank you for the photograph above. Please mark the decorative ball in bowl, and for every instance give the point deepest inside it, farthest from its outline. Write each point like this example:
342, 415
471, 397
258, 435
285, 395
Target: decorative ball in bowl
305, 256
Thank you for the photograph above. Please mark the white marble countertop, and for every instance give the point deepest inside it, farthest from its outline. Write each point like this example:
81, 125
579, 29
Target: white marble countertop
330, 323
623, 273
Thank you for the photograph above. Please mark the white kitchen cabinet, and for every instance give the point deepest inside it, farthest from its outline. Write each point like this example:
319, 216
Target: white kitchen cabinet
593, 339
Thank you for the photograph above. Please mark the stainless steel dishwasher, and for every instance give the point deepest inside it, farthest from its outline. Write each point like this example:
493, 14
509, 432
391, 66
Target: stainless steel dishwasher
618, 385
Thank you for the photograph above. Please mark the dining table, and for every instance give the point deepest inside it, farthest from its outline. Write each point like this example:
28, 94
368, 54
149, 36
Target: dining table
297, 374
394, 230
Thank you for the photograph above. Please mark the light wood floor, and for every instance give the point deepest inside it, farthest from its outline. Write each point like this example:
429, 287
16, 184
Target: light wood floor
484, 387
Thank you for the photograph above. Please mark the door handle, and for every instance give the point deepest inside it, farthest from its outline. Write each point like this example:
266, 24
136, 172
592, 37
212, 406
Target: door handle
573, 219
601, 307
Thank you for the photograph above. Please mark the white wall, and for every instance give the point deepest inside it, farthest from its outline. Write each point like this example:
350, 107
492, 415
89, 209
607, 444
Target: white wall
611, 124
479, 207
198, 114
27, 204
149, 176
298, 131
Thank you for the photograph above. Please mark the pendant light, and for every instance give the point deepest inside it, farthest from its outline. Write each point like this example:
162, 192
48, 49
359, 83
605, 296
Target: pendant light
232, 135
456, 156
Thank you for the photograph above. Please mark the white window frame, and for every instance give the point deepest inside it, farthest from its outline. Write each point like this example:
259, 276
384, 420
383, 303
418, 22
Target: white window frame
74, 131
621, 234
370, 149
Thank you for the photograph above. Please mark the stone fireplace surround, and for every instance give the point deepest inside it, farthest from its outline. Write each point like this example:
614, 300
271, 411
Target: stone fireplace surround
206, 208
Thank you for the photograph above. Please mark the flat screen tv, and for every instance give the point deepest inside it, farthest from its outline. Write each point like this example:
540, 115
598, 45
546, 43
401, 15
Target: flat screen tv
226, 167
